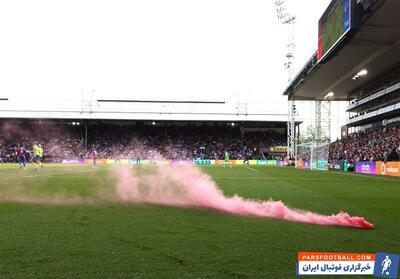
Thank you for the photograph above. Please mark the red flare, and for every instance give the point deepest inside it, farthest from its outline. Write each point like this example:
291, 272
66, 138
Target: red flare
187, 186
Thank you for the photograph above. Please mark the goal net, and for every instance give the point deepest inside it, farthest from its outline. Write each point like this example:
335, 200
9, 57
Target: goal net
313, 155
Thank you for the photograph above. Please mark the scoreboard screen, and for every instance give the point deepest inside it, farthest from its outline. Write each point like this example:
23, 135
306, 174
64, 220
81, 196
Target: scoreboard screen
334, 24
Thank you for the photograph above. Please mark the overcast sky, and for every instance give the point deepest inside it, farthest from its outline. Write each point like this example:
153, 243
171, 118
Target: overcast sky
152, 49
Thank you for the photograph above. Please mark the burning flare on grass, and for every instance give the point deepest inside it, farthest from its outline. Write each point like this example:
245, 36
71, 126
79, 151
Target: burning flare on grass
187, 186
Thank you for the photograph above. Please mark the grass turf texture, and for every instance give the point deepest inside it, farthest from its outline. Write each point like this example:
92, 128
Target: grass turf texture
106, 240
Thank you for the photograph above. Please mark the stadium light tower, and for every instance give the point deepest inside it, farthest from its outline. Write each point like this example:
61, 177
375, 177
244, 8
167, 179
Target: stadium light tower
289, 20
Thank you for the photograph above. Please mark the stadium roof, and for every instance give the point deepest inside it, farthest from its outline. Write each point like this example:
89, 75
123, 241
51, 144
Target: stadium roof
375, 46
123, 109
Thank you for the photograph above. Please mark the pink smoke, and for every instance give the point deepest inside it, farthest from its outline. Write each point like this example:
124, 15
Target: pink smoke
187, 186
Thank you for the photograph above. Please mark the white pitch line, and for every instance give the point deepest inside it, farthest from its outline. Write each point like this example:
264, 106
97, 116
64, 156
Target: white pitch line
250, 168
286, 179
244, 178
46, 174
366, 176
55, 173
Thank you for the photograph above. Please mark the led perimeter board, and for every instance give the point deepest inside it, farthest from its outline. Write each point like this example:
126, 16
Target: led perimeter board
334, 24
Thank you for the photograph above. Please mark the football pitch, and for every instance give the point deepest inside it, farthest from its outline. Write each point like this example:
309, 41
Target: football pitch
44, 237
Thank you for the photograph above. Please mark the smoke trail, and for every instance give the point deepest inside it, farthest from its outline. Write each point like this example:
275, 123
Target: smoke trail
171, 185
186, 186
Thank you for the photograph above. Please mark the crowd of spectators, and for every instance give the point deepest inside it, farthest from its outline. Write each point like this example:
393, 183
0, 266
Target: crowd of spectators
112, 141
377, 144
185, 142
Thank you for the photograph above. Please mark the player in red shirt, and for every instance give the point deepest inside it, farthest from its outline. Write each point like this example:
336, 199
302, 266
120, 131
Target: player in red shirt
21, 156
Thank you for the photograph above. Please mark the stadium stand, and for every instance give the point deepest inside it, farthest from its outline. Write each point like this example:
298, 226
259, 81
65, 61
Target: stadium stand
361, 67
377, 144
186, 141
372, 138
142, 140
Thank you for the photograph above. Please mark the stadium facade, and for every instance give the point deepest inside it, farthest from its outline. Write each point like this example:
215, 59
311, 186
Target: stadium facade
357, 61
361, 67
79, 122
152, 120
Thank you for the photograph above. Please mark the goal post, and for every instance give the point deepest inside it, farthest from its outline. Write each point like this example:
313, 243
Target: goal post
312, 155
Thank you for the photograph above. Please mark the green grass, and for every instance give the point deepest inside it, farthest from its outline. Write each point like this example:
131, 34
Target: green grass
110, 240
